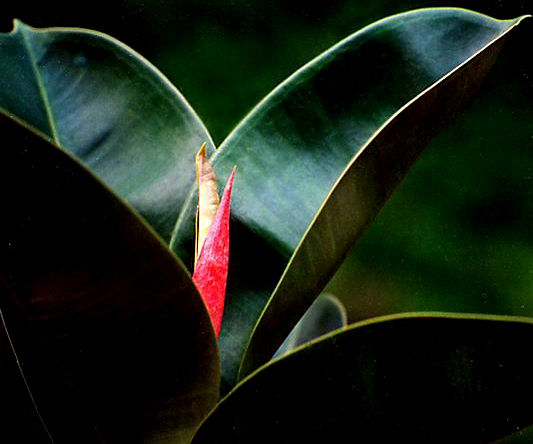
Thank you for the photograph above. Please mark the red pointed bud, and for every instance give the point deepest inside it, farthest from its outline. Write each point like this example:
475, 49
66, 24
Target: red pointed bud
211, 270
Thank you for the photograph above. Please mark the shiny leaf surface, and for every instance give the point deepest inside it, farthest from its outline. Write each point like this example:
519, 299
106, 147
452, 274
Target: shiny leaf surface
342, 110
359, 194
111, 108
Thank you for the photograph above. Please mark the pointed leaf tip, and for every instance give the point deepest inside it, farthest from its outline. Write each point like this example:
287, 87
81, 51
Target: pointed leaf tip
208, 200
211, 271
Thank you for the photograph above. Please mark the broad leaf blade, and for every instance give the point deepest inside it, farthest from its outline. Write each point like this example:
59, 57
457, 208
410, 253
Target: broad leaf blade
295, 145
359, 194
107, 105
404, 378
117, 311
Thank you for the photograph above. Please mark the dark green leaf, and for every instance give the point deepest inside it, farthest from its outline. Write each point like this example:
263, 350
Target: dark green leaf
324, 315
19, 416
56, 403
347, 108
111, 108
115, 309
406, 378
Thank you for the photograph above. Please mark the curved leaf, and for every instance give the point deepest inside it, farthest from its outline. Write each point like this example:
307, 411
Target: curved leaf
292, 149
111, 108
405, 378
115, 309
325, 315
358, 195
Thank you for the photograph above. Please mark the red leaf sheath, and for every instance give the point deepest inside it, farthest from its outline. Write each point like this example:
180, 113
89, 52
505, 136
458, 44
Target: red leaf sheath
211, 271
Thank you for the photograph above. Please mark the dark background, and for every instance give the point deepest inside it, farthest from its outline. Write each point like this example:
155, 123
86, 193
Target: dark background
456, 236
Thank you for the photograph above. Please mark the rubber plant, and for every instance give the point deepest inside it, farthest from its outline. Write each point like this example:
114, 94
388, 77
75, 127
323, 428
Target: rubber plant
105, 337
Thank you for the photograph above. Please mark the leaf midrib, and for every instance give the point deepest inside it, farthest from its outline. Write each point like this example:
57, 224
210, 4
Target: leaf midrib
41, 87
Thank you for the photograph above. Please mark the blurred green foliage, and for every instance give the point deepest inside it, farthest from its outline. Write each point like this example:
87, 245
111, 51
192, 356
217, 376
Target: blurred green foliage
456, 234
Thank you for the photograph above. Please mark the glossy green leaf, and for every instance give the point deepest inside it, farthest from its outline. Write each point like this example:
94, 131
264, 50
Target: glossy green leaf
358, 195
116, 310
362, 109
104, 103
325, 315
406, 378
